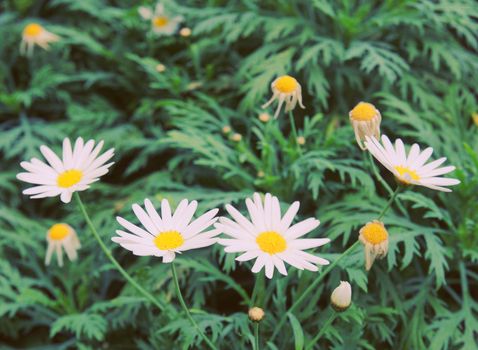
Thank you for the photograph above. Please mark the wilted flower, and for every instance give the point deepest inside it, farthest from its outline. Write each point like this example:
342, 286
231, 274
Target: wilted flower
34, 34
79, 168
59, 237
365, 119
374, 237
270, 239
411, 169
285, 88
169, 233
256, 314
341, 297
161, 22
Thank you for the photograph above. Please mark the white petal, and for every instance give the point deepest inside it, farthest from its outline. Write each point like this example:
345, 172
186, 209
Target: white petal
301, 228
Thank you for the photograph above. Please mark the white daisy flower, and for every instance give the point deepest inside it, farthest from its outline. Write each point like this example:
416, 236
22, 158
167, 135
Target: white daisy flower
270, 238
75, 172
167, 234
59, 237
34, 34
411, 169
365, 119
285, 88
161, 22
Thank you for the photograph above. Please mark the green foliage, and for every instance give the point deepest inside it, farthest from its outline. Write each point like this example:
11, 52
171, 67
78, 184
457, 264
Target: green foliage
415, 60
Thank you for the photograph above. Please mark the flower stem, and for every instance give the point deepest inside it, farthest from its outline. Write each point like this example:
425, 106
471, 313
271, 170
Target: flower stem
116, 264
390, 201
186, 310
256, 336
322, 330
294, 130
255, 298
311, 288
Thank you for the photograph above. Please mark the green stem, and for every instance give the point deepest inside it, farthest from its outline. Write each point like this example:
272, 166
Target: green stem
322, 330
256, 336
389, 203
186, 310
255, 299
294, 130
311, 288
116, 264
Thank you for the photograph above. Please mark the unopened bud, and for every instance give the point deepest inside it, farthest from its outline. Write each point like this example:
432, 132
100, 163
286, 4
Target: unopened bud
301, 140
185, 32
236, 137
256, 314
226, 129
264, 117
341, 297
160, 68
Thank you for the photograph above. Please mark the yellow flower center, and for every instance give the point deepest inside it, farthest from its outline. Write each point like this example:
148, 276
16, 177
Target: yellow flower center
363, 112
160, 21
69, 178
406, 174
374, 233
59, 231
271, 242
33, 29
168, 240
286, 84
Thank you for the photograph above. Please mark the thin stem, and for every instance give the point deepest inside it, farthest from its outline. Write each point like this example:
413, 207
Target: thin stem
116, 264
294, 130
256, 336
186, 310
390, 201
311, 288
255, 300
322, 330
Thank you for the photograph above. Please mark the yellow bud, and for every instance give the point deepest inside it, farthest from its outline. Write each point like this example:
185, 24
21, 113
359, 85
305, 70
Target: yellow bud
264, 117
226, 129
301, 140
160, 68
236, 137
185, 32
256, 314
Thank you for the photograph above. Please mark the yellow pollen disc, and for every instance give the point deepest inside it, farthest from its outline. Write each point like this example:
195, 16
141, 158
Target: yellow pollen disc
69, 178
286, 84
374, 233
160, 21
33, 29
58, 232
168, 240
271, 242
363, 112
407, 173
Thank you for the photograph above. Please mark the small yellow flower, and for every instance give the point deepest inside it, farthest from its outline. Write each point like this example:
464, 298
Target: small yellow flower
236, 137
226, 129
341, 297
301, 140
161, 22
160, 68
365, 119
62, 236
256, 314
34, 34
185, 32
475, 118
264, 117
374, 237
285, 88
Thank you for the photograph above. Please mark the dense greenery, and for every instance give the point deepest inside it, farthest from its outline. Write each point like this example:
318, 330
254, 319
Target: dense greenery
416, 61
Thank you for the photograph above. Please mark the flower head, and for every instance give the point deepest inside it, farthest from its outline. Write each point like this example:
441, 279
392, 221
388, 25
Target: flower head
341, 297
374, 237
365, 119
161, 22
256, 314
270, 238
59, 237
34, 34
80, 167
285, 88
169, 233
411, 169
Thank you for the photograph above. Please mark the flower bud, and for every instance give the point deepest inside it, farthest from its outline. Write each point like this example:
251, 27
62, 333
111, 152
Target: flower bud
301, 140
264, 117
236, 137
256, 314
160, 68
341, 297
226, 129
185, 32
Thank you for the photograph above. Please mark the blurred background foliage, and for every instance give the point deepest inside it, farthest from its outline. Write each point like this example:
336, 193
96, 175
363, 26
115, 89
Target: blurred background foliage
415, 60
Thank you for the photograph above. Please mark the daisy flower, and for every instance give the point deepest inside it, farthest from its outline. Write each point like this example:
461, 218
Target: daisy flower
411, 169
365, 119
166, 234
34, 34
161, 22
374, 237
285, 88
79, 168
270, 238
59, 237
